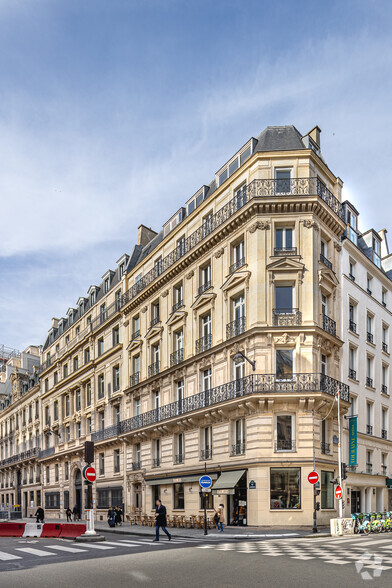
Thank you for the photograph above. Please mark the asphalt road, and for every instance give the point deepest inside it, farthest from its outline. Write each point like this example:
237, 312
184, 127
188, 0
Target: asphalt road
216, 562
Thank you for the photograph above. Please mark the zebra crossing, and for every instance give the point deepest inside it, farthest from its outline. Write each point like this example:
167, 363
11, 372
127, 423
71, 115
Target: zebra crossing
31, 549
369, 553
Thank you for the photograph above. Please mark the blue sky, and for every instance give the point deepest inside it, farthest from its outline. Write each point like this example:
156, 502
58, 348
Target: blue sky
114, 112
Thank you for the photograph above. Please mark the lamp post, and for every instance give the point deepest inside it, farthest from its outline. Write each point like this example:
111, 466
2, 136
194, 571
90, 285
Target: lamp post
239, 356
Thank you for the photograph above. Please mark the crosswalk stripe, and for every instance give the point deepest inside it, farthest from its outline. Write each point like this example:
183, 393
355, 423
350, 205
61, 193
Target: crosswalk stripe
123, 543
95, 546
8, 556
32, 551
66, 549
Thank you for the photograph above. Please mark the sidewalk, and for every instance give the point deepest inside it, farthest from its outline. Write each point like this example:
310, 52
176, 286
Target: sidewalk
232, 532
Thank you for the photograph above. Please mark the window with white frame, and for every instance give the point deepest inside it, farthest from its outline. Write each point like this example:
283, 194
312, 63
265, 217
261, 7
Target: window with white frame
206, 380
284, 433
239, 437
284, 239
206, 443
284, 364
282, 181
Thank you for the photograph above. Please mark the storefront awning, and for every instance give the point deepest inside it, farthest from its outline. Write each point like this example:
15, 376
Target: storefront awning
178, 480
228, 480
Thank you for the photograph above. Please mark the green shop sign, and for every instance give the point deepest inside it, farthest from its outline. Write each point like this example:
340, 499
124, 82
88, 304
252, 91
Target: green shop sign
352, 441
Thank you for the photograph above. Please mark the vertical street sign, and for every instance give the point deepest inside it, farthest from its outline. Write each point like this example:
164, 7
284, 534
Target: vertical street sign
352, 440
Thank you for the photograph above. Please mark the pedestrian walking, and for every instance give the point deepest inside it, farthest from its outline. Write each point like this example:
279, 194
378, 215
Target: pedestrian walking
111, 517
160, 519
68, 512
118, 515
219, 518
40, 514
76, 513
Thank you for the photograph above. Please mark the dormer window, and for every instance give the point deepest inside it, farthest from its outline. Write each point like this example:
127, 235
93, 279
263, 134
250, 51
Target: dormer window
352, 226
376, 252
93, 297
121, 270
235, 162
106, 286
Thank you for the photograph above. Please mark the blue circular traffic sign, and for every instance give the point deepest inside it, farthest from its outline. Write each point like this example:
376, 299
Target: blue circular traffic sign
205, 482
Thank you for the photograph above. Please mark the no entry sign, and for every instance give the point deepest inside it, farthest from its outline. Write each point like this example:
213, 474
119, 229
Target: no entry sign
89, 473
338, 492
313, 478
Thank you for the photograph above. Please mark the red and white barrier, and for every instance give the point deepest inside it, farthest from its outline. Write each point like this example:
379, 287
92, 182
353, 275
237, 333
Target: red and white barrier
69, 530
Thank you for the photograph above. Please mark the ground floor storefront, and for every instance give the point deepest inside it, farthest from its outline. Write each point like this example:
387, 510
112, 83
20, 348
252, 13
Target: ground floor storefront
367, 493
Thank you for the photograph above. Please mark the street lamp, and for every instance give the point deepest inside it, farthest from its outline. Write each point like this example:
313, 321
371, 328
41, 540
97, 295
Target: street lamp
239, 356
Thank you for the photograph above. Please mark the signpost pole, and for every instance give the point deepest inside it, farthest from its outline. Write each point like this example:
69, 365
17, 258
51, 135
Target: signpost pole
314, 485
340, 460
205, 504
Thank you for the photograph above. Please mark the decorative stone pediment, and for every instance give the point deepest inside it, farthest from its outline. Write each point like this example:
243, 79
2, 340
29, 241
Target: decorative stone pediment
177, 316
235, 279
286, 268
154, 331
327, 278
284, 339
135, 344
204, 299
259, 226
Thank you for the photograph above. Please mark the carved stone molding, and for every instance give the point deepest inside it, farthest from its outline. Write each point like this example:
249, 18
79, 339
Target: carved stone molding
259, 225
190, 274
337, 246
284, 339
219, 252
309, 224
165, 293
144, 309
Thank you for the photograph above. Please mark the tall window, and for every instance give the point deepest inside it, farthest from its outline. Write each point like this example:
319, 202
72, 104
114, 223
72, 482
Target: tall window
179, 497
135, 326
283, 239
239, 308
284, 364
88, 394
56, 410
323, 364
283, 298
177, 297
179, 340
284, 433
206, 380
205, 277
369, 371
101, 386
67, 405
115, 336
238, 255
78, 403
282, 181
116, 460
207, 443
116, 378
87, 355
327, 498
180, 395
101, 464
324, 305
239, 437
100, 346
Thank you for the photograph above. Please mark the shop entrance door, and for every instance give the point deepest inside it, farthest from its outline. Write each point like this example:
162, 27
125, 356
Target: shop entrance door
237, 504
355, 501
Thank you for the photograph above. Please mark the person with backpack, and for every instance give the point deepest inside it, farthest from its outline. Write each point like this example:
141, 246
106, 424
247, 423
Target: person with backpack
160, 519
219, 518
40, 514
68, 512
111, 517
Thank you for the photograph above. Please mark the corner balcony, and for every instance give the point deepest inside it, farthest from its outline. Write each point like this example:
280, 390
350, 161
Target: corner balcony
259, 384
236, 327
238, 449
286, 317
328, 325
284, 445
325, 448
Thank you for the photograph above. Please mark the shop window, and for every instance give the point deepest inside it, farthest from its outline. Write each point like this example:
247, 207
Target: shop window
285, 488
179, 500
327, 499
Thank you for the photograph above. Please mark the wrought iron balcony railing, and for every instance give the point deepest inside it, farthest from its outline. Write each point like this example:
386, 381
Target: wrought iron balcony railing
369, 429
352, 326
134, 379
384, 434
385, 347
285, 251
106, 433
384, 389
384, 470
29, 454
298, 187
177, 305
204, 343
156, 462
137, 465
154, 368
253, 384
135, 335
328, 325
325, 261
285, 445
236, 327
154, 321
46, 452
286, 317
206, 454
238, 449
352, 374
369, 382
325, 448
204, 287
369, 468
177, 357
236, 265
179, 458
369, 337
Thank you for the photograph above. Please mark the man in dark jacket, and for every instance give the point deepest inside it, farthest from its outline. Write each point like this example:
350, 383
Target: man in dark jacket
40, 514
160, 520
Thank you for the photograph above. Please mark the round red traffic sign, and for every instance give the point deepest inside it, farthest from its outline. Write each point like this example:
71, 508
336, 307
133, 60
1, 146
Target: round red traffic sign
313, 478
89, 473
338, 492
